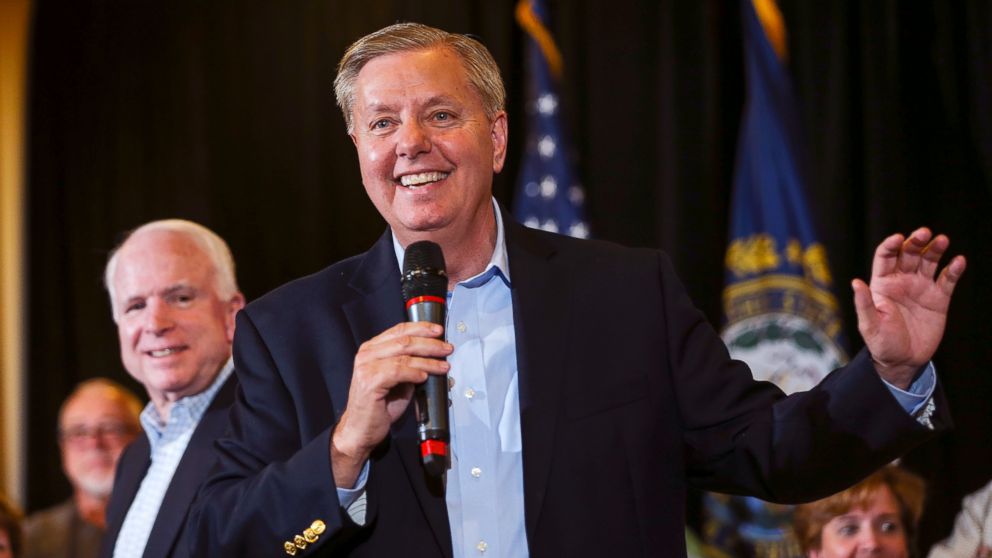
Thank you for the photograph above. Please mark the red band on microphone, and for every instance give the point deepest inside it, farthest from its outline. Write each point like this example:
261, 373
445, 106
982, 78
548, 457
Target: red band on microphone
433, 447
425, 298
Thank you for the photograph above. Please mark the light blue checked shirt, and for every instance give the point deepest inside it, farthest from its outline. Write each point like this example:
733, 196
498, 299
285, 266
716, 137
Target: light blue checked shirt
168, 444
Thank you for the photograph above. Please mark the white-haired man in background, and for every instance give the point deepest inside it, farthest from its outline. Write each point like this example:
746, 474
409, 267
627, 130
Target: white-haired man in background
174, 296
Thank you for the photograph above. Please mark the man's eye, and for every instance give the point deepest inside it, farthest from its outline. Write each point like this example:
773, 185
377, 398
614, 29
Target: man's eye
380, 124
134, 306
442, 116
182, 299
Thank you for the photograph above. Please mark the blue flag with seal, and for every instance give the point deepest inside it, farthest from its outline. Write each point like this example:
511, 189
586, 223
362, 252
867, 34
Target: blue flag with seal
548, 195
781, 315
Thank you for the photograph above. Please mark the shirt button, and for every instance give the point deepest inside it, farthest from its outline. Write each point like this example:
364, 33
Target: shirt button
461, 327
482, 546
476, 472
470, 393
451, 382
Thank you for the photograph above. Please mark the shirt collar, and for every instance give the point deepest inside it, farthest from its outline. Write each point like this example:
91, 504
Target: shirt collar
187, 410
498, 262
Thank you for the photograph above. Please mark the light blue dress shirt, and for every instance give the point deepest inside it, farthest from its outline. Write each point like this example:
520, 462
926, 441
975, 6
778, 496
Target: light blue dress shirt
484, 489
484, 492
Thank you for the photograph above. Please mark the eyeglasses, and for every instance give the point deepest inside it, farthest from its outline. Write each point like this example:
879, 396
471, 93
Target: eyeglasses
77, 435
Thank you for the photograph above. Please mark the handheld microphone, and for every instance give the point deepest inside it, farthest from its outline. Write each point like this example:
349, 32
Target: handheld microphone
425, 290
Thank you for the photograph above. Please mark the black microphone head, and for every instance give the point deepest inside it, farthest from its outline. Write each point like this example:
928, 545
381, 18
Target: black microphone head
423, 271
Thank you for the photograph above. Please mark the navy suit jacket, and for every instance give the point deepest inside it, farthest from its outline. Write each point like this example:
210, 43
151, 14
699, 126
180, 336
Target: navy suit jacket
627, 397
168, 532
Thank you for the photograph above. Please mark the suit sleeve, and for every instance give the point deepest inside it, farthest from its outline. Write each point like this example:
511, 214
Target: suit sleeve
269, 486
747, 437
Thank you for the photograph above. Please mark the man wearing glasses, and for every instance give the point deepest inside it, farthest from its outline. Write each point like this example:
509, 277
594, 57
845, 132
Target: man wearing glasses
96, 422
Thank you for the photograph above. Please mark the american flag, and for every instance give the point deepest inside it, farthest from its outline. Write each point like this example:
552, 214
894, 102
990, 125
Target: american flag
548, 196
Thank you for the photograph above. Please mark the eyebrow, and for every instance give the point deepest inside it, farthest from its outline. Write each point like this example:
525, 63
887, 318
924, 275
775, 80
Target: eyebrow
177, 288
429, 103
131, 299
165, 292
860, 516
379, 107
440, 100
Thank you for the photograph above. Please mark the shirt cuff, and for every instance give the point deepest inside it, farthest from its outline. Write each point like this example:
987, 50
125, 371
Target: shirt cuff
919, 392
353, 499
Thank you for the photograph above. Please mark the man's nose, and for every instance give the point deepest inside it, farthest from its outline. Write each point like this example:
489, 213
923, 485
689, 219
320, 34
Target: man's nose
158, 318
412, 140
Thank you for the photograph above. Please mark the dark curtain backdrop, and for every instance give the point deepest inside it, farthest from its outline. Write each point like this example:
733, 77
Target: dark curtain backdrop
223, 113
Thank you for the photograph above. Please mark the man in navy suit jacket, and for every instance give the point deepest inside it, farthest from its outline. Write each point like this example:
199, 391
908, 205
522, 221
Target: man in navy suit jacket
174, 296
597, 397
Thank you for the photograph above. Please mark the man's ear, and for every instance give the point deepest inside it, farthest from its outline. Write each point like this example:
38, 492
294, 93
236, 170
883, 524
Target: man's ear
499, 131
235, 304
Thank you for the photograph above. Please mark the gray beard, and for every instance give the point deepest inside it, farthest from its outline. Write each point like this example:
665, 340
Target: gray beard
98, 486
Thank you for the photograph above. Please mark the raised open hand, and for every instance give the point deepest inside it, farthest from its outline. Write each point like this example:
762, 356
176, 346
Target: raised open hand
902, 314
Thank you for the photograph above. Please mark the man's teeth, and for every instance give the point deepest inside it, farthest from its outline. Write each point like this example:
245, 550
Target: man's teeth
414, 180
163, 352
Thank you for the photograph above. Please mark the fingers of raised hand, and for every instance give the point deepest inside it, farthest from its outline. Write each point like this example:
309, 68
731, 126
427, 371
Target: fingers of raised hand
931, 255
949, 277
887, 255
921, 252
912, 249
864, 306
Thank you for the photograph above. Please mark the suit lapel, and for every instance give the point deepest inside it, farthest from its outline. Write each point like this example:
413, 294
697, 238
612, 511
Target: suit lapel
190, 474
379, 307
540, 306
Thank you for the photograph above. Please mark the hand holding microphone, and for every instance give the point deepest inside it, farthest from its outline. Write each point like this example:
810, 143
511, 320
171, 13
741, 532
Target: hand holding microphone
386, 369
